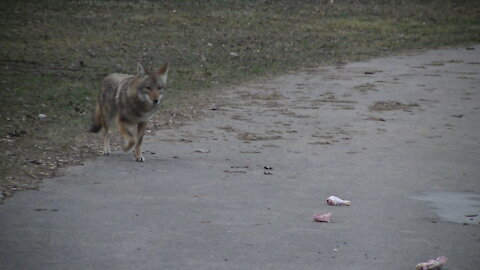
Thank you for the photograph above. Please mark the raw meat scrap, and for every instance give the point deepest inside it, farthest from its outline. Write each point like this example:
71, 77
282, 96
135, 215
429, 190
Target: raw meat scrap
335, 201
432, 264
322, 217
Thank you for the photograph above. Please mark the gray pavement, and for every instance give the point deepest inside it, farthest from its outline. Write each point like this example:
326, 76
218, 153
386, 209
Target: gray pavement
410, 165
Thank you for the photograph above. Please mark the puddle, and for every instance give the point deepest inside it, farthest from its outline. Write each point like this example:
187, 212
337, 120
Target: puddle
458, 207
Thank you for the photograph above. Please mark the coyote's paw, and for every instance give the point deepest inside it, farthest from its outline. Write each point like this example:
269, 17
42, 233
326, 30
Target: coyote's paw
106, 151
139, 158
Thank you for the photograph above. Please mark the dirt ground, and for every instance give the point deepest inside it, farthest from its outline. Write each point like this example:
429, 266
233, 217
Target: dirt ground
237, 187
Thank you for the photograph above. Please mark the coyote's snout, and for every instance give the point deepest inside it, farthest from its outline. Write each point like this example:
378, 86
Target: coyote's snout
130, 100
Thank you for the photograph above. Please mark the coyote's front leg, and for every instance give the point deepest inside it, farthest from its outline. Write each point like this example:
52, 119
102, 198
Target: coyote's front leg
140, 132
127, 136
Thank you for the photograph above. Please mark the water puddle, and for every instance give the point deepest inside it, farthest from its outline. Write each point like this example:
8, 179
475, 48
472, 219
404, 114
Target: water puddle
461, 207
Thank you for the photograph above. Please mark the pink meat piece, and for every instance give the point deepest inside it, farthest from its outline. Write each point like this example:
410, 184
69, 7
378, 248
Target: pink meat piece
335, 201
432, 264
322, 217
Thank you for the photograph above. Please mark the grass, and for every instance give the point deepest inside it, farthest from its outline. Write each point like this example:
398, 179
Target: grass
54, 54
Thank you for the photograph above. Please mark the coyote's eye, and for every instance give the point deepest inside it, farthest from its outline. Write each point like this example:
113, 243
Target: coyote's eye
148, 88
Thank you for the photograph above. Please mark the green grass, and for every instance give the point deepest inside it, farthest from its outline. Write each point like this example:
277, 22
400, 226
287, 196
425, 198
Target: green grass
54, 54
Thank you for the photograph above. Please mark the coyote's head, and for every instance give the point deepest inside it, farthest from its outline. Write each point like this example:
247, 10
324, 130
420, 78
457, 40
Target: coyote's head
152, 84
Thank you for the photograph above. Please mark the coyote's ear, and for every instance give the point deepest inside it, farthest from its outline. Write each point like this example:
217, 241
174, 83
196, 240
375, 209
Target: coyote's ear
163, 71
140, 70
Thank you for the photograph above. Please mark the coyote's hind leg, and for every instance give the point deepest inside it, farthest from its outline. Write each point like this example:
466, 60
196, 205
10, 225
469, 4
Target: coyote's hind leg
106, 142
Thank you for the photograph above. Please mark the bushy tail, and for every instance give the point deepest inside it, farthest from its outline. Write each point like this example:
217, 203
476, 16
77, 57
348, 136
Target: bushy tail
97, 120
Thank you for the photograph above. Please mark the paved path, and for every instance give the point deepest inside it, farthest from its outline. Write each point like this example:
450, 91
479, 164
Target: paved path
398, 136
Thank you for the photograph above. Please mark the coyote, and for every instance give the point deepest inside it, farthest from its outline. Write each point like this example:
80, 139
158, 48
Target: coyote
130, 100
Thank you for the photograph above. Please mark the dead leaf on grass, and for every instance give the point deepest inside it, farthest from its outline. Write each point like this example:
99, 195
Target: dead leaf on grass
363, 88
381, 106
227, 129
247, 136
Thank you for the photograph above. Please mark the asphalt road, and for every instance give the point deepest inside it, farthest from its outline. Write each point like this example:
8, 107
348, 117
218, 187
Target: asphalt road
399, 137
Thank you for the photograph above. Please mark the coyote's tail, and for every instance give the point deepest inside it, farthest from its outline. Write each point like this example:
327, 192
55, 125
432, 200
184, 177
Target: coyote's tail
97, 120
